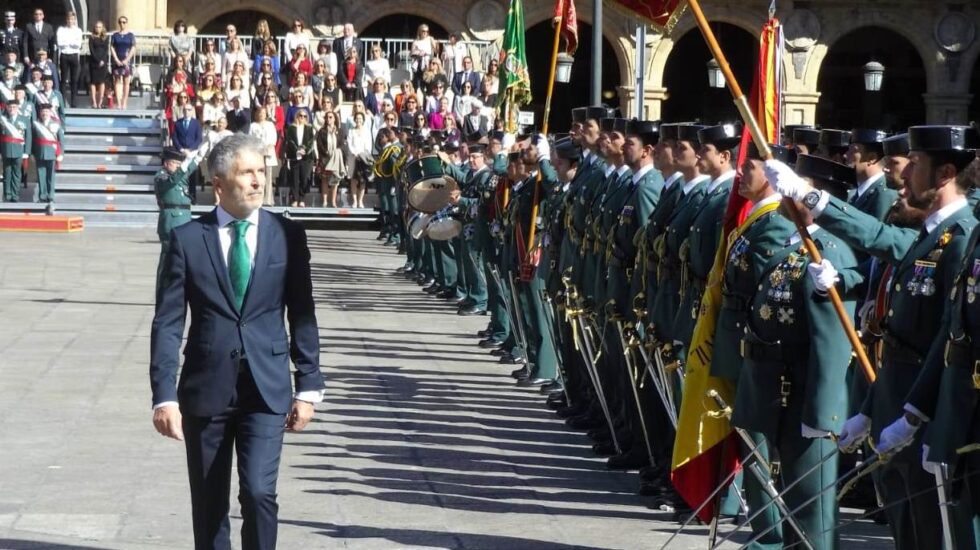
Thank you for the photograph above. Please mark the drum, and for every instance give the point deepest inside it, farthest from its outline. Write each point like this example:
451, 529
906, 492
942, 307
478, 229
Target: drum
443, 226
418, 224
429, 186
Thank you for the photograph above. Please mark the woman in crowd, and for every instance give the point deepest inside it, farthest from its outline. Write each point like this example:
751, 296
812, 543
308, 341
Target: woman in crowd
327, 106
265, 130
214, 109
295, 107
491, 81
325, 53
423, 49
438, 93
299, 156
451, 130
406, 117
407, 89
388, 119
300, 64
330, 158
123, 48
207, 89
351, 74
264, 85
240, 70
463, 103
181, 43
319, 79
421, 123
331, 91
176, 100
211, 69
304, 90
98, 64
260, 37
69, 40
377, 67
267, 62
360, 162
236, 88
294, 39
209, 59
437, 119
234, 55
379, 93
369, 120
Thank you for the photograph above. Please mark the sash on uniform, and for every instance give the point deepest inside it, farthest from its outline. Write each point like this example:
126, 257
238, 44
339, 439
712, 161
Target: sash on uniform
12, 134
45, 136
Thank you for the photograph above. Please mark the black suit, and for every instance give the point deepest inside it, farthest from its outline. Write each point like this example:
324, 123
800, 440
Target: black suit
35, 40
234, 389
474, 79
338, 48
239, 120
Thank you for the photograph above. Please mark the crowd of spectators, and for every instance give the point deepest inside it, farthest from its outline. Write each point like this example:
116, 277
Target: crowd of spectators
317, 105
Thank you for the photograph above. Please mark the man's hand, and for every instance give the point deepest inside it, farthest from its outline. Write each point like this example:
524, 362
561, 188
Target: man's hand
855, 430
300, 416
168, 423
784, 180
897, 435
454, 196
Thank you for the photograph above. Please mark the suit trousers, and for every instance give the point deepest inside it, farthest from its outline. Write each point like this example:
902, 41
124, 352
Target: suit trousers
70, 73
255, 434
299, 178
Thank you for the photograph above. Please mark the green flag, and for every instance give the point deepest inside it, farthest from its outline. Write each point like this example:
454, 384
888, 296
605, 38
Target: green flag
515, 82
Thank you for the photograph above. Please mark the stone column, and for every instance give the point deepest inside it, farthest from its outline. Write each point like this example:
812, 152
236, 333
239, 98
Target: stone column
800, 107
142, 17
653, 98
947, 108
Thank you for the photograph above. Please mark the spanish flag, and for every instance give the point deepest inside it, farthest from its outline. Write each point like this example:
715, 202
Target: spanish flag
704, 448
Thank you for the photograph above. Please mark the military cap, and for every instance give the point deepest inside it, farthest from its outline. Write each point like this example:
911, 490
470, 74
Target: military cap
45, 106
598, 113
437, 135
640, 127
474, 137
172, 153
897, 145
867, 136
451, 146
790, 128
568, 150
940, 139
496, 135
723, 136
620, 125
477, 148
830, 176
578, 114
607, 124
689, 132
20, 87
9, 67
779, 152
808, 136
41, 50
835, 139
669, 130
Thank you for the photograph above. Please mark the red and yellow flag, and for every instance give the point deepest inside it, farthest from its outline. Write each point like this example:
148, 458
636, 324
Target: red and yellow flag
661, 14
565, 12
702, 458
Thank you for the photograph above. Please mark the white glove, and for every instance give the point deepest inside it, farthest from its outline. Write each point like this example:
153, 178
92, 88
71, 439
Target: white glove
812, 433
785, 181
544, 148
855, 430
896, 436
931, 467
508, 141
824, 275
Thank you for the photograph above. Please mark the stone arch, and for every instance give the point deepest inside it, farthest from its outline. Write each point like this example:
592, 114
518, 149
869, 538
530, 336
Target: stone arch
450, 18
200, 14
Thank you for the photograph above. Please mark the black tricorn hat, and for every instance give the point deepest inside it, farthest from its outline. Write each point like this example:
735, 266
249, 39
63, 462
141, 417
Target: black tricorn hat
779, 152
607, 124
640, 127
867, 136
620, 125
790, 128
897, 145
808, 136
836, 139
830, 176
476, 148
172, 153
689, 132
567, 149
723, 136
668, 130
578, 114
938, 139
598, 113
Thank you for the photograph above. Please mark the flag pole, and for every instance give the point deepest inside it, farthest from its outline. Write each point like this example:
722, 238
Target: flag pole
763, 146
559, 21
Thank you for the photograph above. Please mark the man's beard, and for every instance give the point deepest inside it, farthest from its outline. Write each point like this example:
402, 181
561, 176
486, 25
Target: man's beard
924, 201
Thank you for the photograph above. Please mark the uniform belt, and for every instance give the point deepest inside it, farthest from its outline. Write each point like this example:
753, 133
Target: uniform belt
778, 352
961, 353
734, 301
896, 349
180, 206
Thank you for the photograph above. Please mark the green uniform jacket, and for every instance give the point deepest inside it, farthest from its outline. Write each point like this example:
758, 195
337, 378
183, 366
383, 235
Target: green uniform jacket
572, 238
747, 259
877, 200
800, 328
11, 146
550, 195
925, 267
172, 191
42, 151
668, 248
645, 276
635, 212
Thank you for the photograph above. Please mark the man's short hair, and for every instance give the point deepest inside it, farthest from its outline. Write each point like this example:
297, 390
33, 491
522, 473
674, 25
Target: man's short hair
222, 157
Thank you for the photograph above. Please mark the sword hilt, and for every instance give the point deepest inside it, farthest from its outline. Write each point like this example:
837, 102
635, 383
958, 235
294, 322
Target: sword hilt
724, 411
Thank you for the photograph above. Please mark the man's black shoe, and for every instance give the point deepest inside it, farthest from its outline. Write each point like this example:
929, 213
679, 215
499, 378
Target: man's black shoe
446, 293
531, 382
630, 460
465, 302
485, 333
521, 372
422, 281
500, 352
554, 386
556, 404
574, 410
511, 360
584, 422
490, 343
604, 448
472, 310
433, 289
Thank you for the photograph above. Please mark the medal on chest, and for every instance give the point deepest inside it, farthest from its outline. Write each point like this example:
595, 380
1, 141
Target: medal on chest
973, 282
923, 281
738, 255
782, 280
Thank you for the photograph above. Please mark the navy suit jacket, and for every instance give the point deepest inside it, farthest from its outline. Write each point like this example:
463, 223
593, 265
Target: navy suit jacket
475, 80
189, 138
195, 275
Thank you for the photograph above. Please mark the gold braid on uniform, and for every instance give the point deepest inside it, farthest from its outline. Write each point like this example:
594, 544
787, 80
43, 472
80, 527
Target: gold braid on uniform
380, 162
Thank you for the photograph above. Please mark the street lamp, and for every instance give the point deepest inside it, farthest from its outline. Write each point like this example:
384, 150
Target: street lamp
563, 70
715, 77
874, 72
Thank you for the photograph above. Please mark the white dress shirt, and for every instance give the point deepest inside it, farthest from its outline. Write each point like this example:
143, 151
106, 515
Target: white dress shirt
866, 184
717, 181
775, 197
638, 175
69, 40
690, 185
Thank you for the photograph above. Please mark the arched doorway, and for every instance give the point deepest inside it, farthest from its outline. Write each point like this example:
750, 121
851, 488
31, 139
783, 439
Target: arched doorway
844, 103
689, 97
245, 21
54, 11
538, 45
402, 26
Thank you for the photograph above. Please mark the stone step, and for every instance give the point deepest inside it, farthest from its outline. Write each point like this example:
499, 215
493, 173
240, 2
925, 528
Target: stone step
129, 140
106, 200
94, 159
103, 188
111, 122
110, 131
118, 218
109, 147
103, 113
73, 165
105, 178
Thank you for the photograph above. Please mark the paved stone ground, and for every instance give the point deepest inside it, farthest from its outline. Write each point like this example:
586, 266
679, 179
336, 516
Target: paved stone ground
423, 441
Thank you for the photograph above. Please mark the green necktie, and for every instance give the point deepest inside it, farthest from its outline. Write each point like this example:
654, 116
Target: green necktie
239, 262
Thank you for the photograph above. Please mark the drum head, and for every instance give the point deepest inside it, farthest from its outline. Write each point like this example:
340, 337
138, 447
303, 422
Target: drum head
416, 227
431, 195
444, 229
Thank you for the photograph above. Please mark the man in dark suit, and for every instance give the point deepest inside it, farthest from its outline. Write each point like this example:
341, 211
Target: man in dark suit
238, 118
11, 38
241, 270
38, 35
467, 74
187, 139
345, 42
